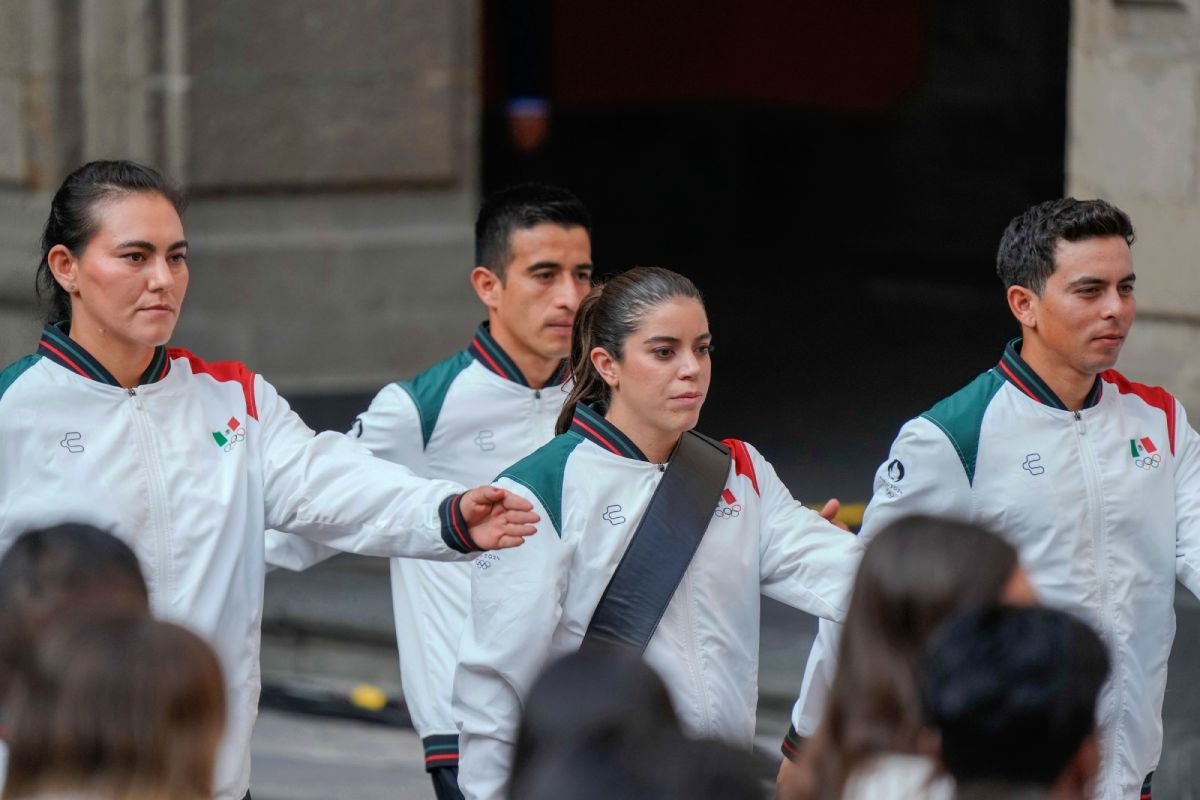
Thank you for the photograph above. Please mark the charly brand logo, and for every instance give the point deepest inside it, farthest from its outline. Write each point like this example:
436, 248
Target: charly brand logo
484, 441
728, 507
895, 470
1144, 454
1031, 464
234, 432
73, 442
612, 515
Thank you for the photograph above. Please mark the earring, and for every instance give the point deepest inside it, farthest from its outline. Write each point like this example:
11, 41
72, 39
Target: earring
70, 287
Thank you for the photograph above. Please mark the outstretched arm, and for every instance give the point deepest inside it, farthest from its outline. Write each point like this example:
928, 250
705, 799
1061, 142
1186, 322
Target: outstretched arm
332, 490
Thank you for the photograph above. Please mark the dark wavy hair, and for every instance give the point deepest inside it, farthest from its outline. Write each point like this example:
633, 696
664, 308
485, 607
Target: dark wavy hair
72, 220
1026, 254
116, 704
57, 572
609, 314
915, 574
1013, 693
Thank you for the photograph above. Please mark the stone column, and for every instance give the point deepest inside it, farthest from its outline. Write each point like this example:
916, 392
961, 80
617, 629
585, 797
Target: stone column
330, 150
1133, 139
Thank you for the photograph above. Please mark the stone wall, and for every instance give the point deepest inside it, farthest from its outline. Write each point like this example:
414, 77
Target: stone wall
1134, 139
330, 150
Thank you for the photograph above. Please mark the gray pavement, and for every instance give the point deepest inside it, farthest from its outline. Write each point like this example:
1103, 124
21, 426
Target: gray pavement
301, 757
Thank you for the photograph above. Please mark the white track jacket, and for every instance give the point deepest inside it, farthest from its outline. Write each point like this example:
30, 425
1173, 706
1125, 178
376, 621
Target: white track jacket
591, 486
190, 468
1103, 506
464, 419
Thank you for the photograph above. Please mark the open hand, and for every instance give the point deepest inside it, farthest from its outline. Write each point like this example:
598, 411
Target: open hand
496, 518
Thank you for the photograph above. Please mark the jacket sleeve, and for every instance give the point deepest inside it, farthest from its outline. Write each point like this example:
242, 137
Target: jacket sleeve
922, 475
330, 489
804, 560
516, 604
391, 429
1187, 503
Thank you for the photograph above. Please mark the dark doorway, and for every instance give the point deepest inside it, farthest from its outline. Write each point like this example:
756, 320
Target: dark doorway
834, 176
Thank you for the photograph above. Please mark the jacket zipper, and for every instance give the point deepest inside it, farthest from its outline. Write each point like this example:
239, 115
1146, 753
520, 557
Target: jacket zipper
1100, 545
158, 501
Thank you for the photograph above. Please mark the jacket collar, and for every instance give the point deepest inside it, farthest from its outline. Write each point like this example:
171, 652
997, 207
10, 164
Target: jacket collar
487, 351
1014, 369
590, 424
57, 346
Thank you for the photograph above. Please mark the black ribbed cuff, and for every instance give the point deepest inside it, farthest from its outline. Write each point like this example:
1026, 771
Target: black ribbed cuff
455, 532
441, 750
791, 744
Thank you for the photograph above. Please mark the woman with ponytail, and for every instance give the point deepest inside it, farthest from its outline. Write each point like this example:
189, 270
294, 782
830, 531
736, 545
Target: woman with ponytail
641, 364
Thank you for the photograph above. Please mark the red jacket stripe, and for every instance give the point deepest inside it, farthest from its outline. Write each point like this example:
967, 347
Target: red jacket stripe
1155, 396
223, 371
742, 463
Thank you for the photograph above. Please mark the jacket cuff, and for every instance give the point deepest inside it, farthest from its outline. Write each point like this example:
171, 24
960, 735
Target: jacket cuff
791, 744
454, 528
441, 750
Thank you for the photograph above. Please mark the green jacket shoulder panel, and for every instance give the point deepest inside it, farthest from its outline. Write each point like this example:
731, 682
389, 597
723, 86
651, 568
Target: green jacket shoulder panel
960, 417
542, 471
428, 390
15, 370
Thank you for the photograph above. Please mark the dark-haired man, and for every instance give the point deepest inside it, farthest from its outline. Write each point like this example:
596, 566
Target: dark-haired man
469, 417
1012, 695
1095, 479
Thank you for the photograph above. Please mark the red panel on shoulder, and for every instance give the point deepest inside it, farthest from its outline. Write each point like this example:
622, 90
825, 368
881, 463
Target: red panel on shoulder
742, 463
1155, 396
224, 371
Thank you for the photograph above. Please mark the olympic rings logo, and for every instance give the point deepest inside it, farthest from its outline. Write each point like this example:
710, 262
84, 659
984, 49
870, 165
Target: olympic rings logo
725, 512
1148, 462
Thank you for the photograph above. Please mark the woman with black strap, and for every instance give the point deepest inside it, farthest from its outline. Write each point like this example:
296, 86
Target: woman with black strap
641, 362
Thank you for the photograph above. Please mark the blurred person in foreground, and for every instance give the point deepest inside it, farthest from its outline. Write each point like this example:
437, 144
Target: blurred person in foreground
671, 768
55, 574
1012, 693
598, 697
599, 723
1093, 478
192, 461
641, 363
873, 741
115, 706
467, 418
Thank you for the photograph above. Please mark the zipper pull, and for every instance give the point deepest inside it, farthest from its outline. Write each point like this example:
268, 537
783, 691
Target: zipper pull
1079, 422
537, 394
662, 467
137, 401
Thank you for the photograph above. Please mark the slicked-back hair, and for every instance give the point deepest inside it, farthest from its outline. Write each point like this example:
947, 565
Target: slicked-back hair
519, 208
1026, 253
608, 316
72, 219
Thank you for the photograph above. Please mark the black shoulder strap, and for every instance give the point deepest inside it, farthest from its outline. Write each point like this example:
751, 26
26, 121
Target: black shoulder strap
662, 546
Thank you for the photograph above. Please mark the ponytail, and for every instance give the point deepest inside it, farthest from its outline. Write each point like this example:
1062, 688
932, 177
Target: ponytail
587, 385
608, 316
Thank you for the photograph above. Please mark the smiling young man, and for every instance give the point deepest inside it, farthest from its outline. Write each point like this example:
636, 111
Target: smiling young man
1095, 479
469, 417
